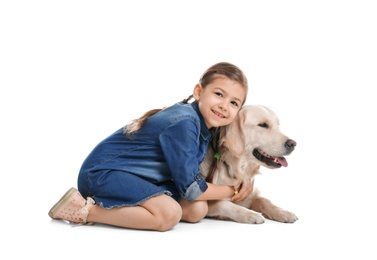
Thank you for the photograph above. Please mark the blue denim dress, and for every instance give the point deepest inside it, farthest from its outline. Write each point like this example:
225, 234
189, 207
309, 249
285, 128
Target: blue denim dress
163, 157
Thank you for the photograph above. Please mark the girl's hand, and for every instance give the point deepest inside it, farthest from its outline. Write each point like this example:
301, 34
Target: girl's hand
243, 190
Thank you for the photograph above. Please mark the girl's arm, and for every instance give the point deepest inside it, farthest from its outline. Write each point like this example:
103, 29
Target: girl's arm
217, 192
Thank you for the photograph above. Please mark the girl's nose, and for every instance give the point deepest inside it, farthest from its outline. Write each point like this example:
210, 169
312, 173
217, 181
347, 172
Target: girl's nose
222, 106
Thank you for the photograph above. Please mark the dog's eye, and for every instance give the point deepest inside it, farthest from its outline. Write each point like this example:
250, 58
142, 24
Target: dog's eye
264, 125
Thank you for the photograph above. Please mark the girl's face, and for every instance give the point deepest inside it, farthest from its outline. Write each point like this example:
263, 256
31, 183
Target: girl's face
220, 101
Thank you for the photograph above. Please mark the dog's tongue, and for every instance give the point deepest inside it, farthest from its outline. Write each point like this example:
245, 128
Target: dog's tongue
282, 161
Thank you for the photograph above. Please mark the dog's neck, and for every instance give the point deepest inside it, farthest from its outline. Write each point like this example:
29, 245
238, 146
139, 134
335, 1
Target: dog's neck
239, 168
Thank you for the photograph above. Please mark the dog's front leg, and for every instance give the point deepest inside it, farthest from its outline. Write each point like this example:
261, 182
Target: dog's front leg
227, 210
271, 211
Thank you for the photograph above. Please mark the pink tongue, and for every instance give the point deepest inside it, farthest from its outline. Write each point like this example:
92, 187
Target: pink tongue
282, 161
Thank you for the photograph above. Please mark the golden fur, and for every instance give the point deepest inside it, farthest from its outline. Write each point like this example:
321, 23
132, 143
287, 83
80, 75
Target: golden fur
254, 133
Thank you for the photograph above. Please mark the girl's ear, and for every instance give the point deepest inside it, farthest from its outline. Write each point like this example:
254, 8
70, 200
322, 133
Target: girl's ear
197, 91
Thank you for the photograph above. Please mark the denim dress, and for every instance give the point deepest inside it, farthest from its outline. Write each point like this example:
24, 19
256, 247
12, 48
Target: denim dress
163, 157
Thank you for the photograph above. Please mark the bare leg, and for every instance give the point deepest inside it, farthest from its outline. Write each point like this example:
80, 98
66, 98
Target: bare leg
159, 213
193, 211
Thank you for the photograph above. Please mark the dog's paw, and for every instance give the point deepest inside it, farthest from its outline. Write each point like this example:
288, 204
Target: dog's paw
283, 216
251, 218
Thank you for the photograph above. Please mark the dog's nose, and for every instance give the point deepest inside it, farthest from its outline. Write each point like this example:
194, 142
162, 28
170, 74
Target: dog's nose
290, 144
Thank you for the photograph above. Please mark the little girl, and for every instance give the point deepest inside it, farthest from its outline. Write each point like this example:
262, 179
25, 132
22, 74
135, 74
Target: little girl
146, 175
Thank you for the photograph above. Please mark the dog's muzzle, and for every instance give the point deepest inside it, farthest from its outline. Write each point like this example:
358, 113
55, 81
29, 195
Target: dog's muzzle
272, 161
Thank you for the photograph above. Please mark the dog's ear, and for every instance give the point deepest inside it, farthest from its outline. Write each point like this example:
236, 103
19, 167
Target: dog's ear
233, 135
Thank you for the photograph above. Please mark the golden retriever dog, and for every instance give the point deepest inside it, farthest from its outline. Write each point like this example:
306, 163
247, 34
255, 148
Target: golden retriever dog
252, 140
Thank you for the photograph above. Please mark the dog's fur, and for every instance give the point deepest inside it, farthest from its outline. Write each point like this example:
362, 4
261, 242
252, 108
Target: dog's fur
252, 140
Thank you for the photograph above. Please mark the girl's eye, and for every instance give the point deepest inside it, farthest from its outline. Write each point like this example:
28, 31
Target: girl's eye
234, 103
218, 94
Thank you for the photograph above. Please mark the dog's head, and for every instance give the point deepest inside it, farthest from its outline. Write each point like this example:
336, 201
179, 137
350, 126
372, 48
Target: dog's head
255, 133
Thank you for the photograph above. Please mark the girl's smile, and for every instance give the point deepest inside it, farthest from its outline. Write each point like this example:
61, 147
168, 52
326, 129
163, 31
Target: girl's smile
218, 114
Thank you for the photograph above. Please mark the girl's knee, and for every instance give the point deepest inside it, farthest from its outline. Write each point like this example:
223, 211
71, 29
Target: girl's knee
197, 212
170, 217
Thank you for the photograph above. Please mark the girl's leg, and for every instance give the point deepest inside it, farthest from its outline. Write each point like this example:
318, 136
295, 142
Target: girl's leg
193, 211
159, 213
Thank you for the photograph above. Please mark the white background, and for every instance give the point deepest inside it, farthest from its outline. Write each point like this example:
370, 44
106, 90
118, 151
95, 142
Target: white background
72, 72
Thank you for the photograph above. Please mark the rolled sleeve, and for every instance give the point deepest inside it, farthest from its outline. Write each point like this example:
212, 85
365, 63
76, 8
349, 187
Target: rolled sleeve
195, 189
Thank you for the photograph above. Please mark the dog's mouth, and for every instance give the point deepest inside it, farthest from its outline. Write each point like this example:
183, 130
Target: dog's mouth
271, 161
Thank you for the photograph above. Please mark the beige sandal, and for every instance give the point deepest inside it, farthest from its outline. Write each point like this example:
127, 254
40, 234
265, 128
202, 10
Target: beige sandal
72, 207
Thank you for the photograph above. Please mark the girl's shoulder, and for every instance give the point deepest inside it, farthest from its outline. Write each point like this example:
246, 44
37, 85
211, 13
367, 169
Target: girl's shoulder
178, 113
182, 107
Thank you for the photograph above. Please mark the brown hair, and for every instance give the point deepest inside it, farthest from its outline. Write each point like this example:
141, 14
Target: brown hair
219, 69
